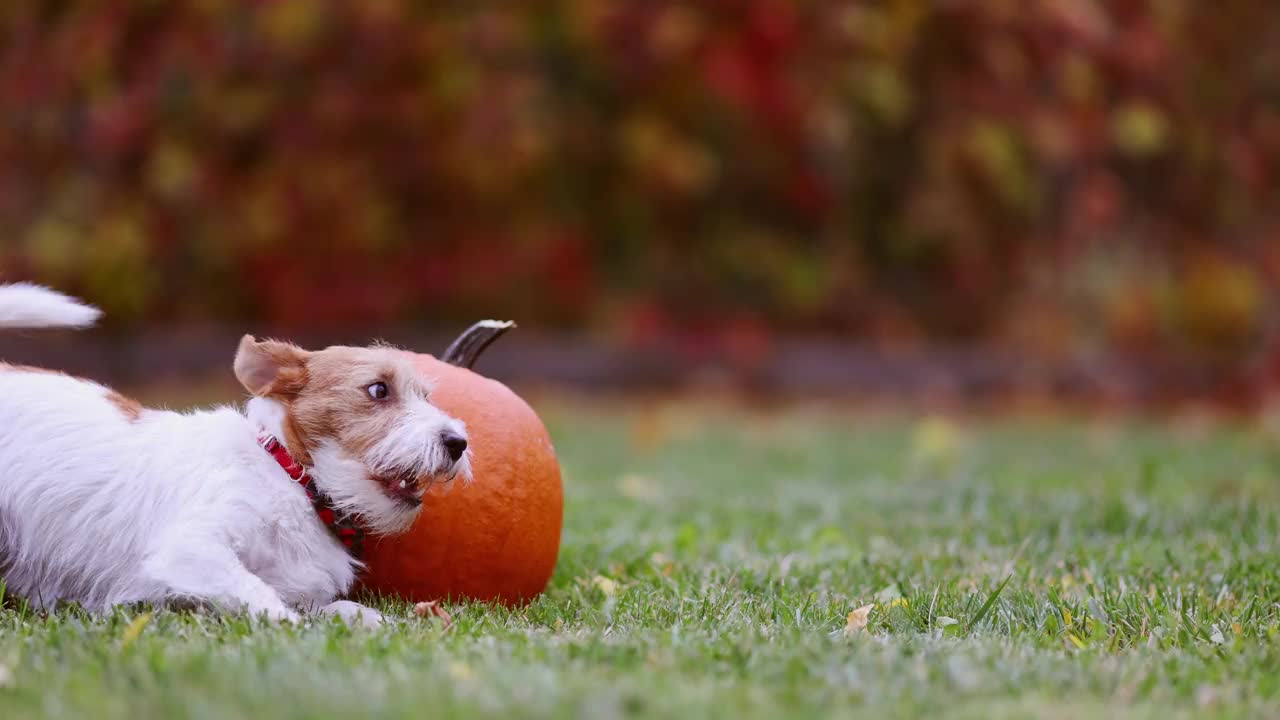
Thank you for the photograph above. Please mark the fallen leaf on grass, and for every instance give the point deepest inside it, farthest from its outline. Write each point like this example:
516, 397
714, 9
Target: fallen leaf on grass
607, 586
433, 609
135, 628
935, 438
857, 620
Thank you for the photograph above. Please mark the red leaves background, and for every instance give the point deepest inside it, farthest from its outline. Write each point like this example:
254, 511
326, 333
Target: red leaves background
1054, 174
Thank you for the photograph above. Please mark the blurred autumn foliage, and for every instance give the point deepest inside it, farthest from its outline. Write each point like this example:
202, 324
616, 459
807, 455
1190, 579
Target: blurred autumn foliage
1054, 174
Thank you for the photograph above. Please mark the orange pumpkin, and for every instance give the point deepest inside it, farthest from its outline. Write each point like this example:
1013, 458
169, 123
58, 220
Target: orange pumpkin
498, 537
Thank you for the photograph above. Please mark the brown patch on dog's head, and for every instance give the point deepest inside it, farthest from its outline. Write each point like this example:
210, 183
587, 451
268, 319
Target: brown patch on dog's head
327, 393
362, 419
336, 402
130, 408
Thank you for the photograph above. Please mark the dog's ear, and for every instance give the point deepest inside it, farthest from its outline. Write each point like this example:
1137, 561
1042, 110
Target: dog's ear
270, 368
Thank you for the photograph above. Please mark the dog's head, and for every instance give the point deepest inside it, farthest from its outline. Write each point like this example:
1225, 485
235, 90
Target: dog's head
362, 419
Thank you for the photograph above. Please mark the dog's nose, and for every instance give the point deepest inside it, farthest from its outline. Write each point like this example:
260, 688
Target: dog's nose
455, 444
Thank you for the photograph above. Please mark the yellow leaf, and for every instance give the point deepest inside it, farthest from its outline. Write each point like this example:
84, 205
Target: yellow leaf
935, 438
886, 92
996, 148
291, 24
1235, 628
171, 170
606, 586
857, 620
1140, 128
1221, 299
1066, 617
1076, 641
135, 628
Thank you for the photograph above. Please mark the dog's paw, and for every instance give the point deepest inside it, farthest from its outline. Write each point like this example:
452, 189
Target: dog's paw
354, 614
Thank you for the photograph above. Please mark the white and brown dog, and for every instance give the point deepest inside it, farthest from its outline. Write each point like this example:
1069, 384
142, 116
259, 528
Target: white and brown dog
103, 502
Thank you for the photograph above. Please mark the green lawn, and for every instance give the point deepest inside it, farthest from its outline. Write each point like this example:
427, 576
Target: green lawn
711, 560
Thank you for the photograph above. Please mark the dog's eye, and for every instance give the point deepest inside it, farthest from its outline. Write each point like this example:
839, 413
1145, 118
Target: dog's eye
378, 391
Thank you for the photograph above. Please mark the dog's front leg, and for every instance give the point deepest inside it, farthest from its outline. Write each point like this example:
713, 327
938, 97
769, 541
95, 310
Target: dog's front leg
214, 575
353, 613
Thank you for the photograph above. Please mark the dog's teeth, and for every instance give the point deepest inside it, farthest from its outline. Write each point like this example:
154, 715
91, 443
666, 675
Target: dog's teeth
402, 484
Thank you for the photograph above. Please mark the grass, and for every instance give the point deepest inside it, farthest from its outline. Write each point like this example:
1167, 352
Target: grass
710, 563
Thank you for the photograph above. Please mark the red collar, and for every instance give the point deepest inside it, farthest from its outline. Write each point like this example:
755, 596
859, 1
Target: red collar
343, 526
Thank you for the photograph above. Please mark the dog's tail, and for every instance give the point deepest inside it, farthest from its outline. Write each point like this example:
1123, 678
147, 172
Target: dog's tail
23, 305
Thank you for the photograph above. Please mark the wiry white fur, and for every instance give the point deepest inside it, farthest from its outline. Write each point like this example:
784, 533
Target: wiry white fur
103, 509
413, 445
30, 306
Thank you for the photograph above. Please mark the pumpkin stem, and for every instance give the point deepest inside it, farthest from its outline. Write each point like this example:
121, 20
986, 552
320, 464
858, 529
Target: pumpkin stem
470, 344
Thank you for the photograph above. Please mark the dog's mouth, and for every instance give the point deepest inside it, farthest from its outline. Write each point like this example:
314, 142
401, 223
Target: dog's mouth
403, 486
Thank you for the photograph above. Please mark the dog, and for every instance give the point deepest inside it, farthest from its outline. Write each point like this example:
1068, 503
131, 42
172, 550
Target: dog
263, 509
